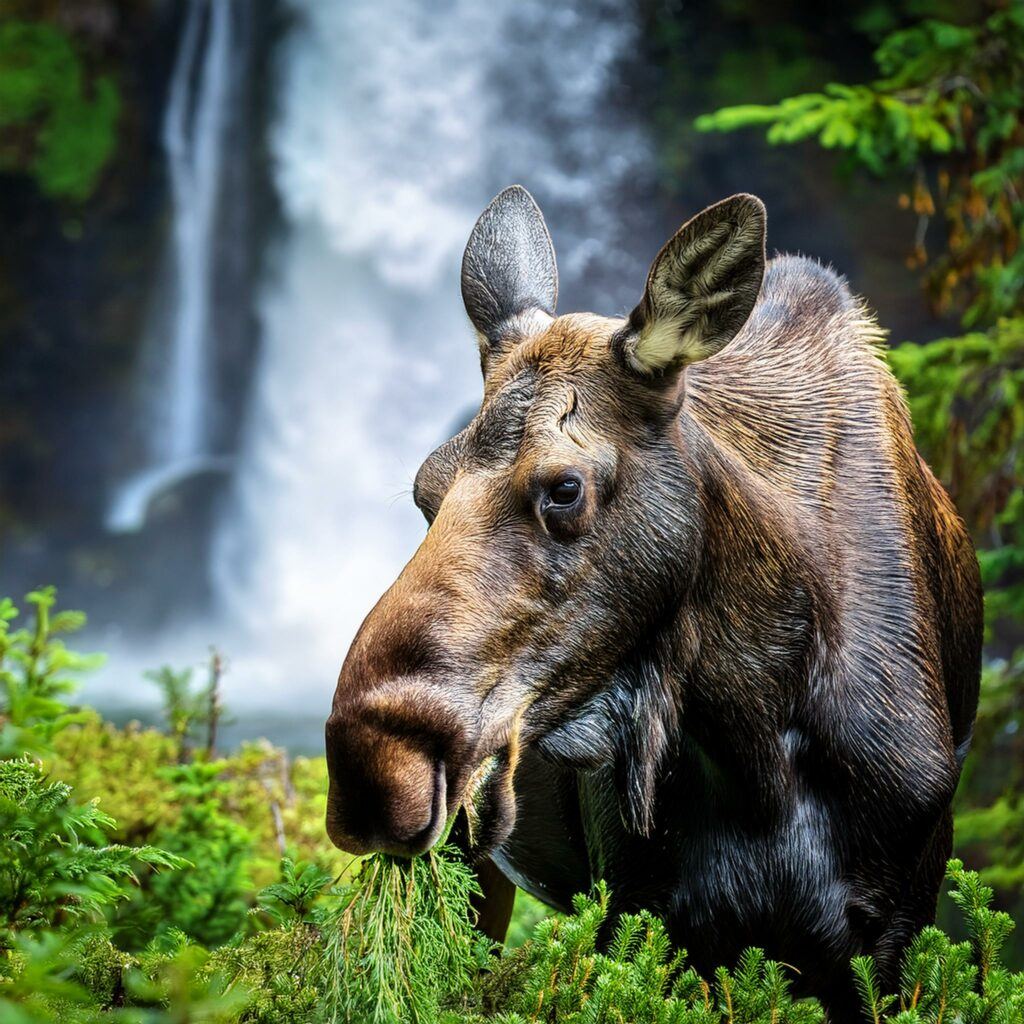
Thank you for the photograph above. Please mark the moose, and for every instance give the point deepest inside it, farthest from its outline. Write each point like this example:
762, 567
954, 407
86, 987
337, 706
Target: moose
691, 615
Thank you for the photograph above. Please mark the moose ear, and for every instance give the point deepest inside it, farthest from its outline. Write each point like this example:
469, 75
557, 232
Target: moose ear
700, 289
508, 269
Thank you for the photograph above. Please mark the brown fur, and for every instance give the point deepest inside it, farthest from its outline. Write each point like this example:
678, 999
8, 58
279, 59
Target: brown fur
748, 654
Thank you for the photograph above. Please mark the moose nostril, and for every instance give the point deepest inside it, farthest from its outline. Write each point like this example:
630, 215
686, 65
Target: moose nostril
427, 836
415, 827
387, 794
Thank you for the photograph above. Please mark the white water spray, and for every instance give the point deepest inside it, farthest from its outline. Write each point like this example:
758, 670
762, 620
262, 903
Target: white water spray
394, 123
397, 122
177, 372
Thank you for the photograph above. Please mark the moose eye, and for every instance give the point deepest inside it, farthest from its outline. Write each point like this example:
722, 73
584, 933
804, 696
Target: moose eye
564, 492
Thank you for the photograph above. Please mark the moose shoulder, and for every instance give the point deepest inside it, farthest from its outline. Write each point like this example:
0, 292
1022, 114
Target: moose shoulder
692, 615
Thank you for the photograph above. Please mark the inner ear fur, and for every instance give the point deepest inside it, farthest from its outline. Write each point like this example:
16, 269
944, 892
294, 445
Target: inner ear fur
700, 289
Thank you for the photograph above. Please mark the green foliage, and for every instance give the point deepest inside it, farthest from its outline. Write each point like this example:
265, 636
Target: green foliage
942, 980
965, 397
292, 898
281, 970
38, 981
54, 124
278, 800
394, 944
527, 913
946, 116
182, 706
36, 671
60, 876
123, 767
208, 900
55, 863
709, 55
997, 829
400, 940
188, 707
561, 976
176, 982
866, 979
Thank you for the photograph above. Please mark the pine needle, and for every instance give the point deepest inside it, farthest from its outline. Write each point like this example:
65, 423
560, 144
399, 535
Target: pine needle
399, 941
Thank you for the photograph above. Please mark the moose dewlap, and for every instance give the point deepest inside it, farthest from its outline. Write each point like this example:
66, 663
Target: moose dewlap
691, 595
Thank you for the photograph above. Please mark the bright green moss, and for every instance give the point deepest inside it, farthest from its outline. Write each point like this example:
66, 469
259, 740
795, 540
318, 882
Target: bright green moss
53, 123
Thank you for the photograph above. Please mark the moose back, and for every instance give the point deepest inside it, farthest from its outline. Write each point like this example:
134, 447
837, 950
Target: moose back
691, 615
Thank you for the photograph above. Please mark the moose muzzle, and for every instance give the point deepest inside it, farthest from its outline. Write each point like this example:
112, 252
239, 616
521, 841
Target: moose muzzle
407, 728
394, 757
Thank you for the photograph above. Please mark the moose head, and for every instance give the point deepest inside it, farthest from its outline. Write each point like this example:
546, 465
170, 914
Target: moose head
565, 522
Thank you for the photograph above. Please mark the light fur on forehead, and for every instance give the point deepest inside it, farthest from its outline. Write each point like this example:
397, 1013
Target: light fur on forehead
517, 328
700, 290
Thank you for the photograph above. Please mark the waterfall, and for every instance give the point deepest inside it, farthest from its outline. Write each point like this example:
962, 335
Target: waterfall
397, 120
177, 371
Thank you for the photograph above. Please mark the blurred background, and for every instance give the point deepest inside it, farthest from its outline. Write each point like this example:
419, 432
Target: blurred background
230, 324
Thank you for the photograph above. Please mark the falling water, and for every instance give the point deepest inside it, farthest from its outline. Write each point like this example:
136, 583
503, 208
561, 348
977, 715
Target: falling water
177, 371
397, 121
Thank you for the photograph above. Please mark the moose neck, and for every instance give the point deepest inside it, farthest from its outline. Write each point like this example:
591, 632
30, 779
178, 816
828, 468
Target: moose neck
727, 670
706, 716
748, 625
